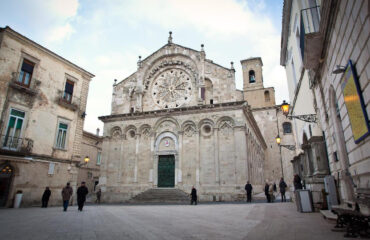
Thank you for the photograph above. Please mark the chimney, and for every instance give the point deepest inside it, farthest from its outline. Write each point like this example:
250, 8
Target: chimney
97, 131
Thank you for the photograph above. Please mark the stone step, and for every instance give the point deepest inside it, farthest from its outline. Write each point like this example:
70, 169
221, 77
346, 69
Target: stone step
160, 195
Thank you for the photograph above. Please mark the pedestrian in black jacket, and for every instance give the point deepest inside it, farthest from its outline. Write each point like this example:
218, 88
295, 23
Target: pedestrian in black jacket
282, 186
194, 198
81, 196
248, 189
45, 197
268, 198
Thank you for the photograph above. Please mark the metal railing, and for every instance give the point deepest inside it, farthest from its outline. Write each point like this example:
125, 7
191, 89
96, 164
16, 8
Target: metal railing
71, 102
16, 144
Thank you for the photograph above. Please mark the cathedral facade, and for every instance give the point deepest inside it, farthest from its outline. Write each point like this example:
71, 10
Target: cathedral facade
178, 122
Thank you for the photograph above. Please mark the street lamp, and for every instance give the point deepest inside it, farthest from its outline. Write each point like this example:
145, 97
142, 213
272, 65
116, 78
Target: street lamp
278, 141
306, 117
86, 160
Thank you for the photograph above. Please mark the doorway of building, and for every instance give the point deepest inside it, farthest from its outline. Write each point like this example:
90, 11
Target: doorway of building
6, 173
166, 171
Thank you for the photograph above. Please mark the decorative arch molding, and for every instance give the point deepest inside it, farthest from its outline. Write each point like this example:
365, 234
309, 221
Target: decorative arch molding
206, 121
164, 135
166, 119
145, 130
130, 131
116, 132
225, 120
169, 60
189, 128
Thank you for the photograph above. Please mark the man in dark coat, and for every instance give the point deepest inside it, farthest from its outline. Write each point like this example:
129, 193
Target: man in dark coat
66, 195
297, 182
194, 198
45, 197
267, 186
248, 189
82, 191
282, 186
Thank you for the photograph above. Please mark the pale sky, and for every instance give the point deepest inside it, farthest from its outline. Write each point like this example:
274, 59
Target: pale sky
105, 37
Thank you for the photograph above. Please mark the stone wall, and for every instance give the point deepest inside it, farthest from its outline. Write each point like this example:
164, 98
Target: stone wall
216, 150
348, 40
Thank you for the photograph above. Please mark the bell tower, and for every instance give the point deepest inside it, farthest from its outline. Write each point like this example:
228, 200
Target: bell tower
252, 73
254, 92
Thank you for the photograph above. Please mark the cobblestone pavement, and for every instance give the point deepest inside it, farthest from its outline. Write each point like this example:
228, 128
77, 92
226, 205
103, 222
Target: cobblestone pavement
204, 221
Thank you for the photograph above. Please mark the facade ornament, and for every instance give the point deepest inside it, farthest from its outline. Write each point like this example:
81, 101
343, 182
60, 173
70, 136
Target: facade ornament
232, 66
139, 62
170, 38
202, 47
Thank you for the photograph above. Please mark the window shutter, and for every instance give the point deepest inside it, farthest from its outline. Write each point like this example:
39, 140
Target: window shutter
69, 87
27, 67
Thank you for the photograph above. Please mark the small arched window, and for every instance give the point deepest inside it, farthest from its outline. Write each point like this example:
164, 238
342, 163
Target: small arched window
287, 128
252, 77
267, 96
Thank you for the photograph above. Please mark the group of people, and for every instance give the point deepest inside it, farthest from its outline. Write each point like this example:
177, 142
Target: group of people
67, 193
269, 191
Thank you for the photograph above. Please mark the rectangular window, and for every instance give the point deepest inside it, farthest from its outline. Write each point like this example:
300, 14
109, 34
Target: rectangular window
25, 74
98, 159
62, 136
68, 91
203, 93
12, 138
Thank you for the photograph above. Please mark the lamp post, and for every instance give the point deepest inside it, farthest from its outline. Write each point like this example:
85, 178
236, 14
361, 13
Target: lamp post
86, 160
278, 140
306, 117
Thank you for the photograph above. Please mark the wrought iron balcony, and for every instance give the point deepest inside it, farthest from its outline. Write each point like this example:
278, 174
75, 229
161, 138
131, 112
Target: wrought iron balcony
15, 144
311, 39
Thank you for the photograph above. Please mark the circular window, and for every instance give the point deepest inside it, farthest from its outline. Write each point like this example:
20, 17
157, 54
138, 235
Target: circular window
132, 133
207, 128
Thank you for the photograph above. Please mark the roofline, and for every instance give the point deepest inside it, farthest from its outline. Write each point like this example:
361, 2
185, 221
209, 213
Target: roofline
252, 58
92, 135
18, 35
287, 8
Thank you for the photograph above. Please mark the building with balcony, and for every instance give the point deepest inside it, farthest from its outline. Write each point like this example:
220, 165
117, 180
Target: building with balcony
332, 46
42, 102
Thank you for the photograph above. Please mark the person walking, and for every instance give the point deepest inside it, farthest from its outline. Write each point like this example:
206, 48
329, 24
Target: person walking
271, 192
98, 196
267, 194
66, 195
274, 187
297, 182
248, 189
282, 186
194, 198
82, 191
45, 197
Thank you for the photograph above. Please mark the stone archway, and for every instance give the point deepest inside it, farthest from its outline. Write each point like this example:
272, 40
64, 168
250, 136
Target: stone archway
6, 177
166, 160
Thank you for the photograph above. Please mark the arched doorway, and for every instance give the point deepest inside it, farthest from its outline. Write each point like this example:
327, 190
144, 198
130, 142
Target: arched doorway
6, 175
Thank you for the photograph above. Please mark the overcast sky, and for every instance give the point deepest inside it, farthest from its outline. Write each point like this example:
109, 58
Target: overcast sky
105, 37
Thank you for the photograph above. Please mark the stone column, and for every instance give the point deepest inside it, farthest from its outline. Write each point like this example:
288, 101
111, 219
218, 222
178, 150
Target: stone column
197, 171
138, 136
179, 170
217, 160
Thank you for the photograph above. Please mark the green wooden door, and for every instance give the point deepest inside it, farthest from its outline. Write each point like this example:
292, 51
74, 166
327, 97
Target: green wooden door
166, 171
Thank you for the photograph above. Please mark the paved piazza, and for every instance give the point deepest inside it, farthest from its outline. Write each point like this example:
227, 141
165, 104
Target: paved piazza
208, 221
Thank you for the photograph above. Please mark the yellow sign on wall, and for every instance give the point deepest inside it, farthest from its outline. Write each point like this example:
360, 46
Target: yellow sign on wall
355, 104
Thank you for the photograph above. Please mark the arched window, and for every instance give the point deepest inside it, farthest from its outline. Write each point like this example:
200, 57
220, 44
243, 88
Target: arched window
267, 96
252, 77
287, 127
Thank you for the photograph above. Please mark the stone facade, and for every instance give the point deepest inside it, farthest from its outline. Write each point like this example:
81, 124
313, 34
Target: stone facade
41, 119
91, 147
180, 104
339, 32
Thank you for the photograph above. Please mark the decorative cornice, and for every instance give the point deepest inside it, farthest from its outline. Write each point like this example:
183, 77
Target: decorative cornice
285, 30
174, 111
10, 31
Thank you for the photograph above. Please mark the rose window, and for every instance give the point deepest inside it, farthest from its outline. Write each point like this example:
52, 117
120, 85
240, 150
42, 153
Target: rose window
172, 89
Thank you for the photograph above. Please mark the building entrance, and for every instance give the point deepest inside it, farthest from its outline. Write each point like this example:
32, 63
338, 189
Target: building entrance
6, 173
166, 171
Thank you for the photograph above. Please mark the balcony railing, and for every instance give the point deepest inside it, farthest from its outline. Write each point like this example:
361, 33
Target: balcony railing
15, 144
67, 101
310, 36
31, 89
